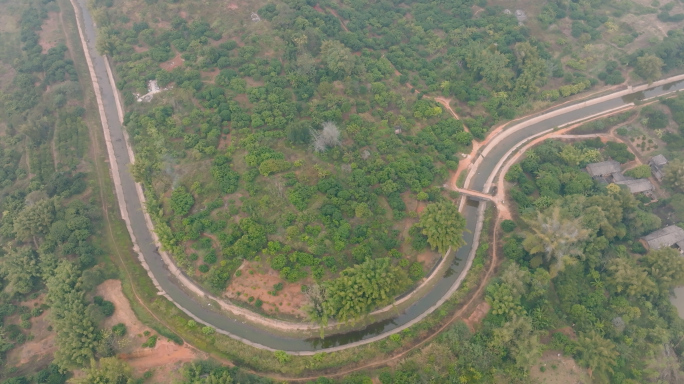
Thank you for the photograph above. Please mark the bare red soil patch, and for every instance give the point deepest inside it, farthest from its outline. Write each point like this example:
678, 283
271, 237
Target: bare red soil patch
177, 61
162, 358
478, 314
289, 301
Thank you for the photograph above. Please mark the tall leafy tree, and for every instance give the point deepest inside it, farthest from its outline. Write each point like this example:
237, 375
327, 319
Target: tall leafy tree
519, 340
181, 201
71, 318
649, 67
109, 370
666, 268
35, 220
19, 267
554, 236
630, 278
361, 288
673, 175
337, 57
443, 225
597, 353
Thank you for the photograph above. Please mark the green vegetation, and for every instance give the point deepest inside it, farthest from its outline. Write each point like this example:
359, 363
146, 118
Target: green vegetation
639, 172
293, 143
571, 236
443, 225
51, 222
254, 191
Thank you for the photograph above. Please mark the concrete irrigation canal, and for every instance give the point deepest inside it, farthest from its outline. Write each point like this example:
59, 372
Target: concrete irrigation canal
173, 284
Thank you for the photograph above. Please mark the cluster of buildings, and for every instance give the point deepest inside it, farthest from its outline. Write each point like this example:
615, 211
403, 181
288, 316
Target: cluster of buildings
610, 172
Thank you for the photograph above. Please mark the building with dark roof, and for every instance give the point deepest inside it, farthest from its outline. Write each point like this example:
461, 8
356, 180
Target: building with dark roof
637, 185
603, 169
665, 237
657, 164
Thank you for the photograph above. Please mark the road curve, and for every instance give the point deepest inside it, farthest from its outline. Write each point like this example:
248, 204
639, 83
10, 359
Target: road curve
170, 281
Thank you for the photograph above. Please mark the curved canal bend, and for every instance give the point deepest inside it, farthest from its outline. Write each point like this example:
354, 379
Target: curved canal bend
258, 337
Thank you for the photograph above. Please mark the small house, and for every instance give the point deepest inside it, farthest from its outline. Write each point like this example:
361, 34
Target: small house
657, 164
665, 237
603, 169
637, 185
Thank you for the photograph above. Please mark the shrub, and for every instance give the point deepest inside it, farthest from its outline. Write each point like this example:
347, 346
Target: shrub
210, 258
119, 329
151, 342
639, 172
508, 225
282, 356
105, 306
203, 268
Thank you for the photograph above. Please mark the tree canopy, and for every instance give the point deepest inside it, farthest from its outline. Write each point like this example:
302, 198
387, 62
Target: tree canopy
443, 225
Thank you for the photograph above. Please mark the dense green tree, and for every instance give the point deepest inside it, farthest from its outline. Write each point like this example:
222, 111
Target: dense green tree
71, 319
181, 201
361, 288
19, 268
337, 57
35, 220
639, 172
443, 225
554, 236
109, 370
597, 353
628, 277
649, 67
666, 268
673, 175
519, 339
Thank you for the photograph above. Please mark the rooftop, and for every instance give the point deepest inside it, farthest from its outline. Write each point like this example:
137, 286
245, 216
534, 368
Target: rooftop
659, 160
665, 237
603, 168
637, 186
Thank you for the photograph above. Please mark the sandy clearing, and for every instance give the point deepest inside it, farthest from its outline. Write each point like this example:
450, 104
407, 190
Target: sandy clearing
558, 369
478, 314
123, 313
165, 357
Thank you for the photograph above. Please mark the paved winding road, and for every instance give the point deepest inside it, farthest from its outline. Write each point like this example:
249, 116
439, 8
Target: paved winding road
488, 161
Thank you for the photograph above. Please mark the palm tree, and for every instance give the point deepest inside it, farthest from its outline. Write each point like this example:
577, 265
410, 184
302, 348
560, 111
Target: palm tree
554, 236
597, 353
443, 225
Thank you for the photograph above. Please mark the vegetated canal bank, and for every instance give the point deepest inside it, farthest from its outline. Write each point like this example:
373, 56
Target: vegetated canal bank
202, 310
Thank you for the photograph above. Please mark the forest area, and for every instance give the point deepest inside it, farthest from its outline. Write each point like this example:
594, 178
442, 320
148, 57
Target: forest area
54, 253
308, 146
304, 145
